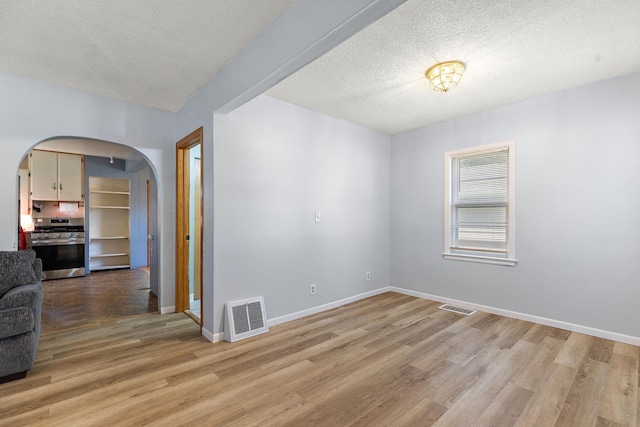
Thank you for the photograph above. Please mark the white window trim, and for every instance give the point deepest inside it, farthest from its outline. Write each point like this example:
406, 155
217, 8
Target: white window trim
510, 259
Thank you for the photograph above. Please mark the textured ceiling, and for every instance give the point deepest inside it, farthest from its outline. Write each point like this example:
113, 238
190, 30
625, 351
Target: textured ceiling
156, 53
513, 50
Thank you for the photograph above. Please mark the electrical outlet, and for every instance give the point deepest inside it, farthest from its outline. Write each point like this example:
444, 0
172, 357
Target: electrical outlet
312, 289
368, 275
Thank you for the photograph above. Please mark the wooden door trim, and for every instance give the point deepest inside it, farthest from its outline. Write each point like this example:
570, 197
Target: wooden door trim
182, 221
148, 223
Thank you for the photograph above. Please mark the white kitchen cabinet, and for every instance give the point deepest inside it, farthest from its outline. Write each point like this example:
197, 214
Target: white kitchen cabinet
56, 176
109, 213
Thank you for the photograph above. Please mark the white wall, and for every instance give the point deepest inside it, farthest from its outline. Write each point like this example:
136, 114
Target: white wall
275, 165
577, 208
32, 111
305, 31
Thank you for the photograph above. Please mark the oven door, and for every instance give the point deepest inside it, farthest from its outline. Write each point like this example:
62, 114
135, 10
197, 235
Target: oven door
60, 260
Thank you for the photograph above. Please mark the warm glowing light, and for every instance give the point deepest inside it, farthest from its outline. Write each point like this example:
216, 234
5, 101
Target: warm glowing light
445, 76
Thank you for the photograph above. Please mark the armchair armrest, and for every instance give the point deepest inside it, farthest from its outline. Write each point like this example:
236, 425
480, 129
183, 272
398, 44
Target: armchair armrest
37, 268
23, 296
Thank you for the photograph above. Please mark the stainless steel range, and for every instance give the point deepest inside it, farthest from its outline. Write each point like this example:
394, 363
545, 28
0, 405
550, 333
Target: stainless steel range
59, 242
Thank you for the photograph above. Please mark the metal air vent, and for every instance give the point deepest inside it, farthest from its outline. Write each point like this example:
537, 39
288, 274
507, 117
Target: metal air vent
459, 310
244, 319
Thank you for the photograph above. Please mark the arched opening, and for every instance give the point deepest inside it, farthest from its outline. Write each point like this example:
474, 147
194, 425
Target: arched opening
118, 211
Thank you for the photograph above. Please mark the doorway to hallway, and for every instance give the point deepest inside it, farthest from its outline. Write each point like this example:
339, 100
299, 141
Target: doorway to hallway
189, 226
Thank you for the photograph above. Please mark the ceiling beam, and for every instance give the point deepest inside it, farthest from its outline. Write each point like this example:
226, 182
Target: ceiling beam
304, 32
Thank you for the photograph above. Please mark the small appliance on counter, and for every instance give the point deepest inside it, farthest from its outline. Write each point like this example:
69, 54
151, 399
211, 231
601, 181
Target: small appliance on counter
59, 242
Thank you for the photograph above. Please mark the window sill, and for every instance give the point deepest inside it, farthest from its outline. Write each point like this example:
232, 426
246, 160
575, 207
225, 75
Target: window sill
481, 259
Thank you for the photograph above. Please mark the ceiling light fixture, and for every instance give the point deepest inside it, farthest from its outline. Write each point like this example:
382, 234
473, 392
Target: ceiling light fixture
445, 76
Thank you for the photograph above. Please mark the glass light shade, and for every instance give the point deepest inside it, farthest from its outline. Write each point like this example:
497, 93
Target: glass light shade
445, 76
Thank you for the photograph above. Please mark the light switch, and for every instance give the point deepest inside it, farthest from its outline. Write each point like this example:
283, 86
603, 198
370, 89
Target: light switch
317, 216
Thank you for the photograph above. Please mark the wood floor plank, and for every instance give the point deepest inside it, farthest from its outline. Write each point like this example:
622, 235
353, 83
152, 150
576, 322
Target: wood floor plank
465, 322
486, 321
537, 333
407, 333
272, 355
619, 403
424, 414
516, 330
409, 398
575, 350
583, 401
321, 348
38, 416
99, 297
601, 349
506, 407
480, 395
468, 344
340, 379
601, 422
544, 406
133, 386
626, 350
344, 405
462, 379
533, 375
457, 348
386, 360
83, 407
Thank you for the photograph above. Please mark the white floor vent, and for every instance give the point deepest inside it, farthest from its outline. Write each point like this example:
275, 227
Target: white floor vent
244, 319
458, 310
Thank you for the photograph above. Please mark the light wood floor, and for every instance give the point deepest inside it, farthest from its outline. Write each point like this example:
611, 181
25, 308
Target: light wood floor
389, 360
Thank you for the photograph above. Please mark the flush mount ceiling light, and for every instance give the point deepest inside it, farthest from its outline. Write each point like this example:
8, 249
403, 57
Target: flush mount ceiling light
445, 76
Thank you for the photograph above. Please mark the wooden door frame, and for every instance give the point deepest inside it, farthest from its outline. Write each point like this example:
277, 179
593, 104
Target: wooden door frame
182, 222
148, 223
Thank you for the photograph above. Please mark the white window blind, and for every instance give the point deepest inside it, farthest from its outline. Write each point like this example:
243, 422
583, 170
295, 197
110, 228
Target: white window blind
479, 207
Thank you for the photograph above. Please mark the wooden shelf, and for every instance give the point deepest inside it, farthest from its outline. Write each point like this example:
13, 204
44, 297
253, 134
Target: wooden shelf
109, 212
126, 193
108, 267
108, 238
108, 255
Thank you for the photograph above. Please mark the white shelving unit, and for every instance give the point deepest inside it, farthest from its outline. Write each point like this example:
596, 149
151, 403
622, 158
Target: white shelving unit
109, 213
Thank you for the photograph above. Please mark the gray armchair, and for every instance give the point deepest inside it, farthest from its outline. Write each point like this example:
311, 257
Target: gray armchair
20, 311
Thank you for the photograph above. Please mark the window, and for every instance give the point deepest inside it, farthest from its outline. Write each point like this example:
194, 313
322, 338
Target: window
480, 204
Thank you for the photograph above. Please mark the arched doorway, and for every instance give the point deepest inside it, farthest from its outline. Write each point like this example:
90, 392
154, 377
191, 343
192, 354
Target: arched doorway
118, 181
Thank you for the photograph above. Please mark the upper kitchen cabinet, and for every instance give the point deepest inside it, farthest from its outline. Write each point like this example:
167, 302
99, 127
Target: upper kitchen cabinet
56, 176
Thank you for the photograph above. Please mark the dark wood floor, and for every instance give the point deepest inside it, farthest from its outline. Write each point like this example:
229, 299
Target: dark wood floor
389, 360
99, 297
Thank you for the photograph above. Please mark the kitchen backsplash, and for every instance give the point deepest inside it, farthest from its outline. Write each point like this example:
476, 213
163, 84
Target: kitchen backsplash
59, 210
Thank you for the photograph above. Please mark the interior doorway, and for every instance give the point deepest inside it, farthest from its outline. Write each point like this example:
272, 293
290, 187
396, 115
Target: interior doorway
189, 226
108, 291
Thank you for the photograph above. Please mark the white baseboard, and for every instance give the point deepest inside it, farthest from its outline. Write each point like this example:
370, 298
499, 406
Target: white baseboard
523, 316
209, 335
628, 339
303, 313
324, 307
166, 310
